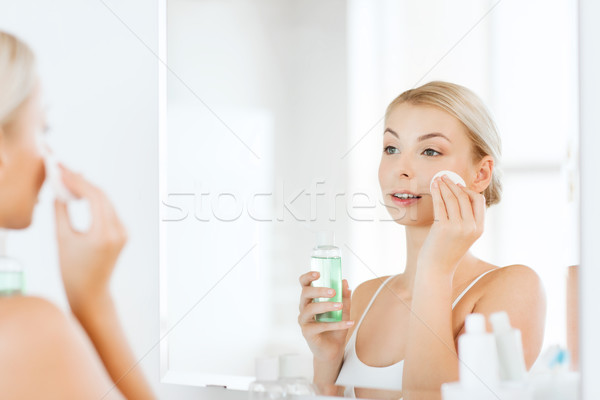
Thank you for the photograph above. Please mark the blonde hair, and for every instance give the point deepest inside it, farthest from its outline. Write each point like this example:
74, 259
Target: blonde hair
17, 75
469, 109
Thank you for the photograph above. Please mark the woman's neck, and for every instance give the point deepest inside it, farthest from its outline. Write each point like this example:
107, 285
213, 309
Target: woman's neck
415, 237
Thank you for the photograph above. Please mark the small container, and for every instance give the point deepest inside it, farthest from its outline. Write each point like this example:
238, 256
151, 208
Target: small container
478, 365
510, 348
478, 368
266, 386
327, 260
12, 280
292, 376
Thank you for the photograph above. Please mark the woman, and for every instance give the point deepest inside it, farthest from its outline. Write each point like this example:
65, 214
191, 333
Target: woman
45, 354
405, 340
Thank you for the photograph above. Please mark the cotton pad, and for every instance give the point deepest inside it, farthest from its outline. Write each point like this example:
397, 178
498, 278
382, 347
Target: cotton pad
454, 177
53, 174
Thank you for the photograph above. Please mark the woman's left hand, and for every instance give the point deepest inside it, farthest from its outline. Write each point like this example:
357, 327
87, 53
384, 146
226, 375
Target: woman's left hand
87, 259
459, 215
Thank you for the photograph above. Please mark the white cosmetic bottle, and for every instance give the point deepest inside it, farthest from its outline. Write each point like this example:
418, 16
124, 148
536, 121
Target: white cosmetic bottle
478, 368
291, 376
478, 364
510, 348
12, 280
266, 386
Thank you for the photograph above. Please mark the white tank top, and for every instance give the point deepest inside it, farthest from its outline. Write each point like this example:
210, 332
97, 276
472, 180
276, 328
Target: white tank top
355, 373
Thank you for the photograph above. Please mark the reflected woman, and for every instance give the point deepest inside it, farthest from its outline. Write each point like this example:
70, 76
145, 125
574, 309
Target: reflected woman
44, 353
399, 334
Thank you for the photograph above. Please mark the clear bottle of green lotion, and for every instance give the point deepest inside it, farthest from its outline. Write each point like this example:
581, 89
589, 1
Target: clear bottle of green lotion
12, 281
326, 259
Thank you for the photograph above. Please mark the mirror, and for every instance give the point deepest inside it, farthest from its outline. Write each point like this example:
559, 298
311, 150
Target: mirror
271, 123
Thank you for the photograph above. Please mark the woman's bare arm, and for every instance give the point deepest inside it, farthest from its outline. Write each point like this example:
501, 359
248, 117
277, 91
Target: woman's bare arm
87, 260
100, 321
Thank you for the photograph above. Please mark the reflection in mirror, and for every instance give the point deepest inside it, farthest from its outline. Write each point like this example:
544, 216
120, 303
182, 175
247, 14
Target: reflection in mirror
274, 125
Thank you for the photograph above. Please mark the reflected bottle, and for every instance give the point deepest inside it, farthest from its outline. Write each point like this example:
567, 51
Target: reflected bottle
292, 376
12, 281
266, 386
327, 260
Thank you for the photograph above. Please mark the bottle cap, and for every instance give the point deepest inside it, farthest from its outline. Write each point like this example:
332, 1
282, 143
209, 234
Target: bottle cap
475, 323
500, 322
266, 369
325, 238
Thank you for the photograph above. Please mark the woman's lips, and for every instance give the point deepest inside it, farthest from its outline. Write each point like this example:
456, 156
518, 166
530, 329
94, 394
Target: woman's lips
404, 202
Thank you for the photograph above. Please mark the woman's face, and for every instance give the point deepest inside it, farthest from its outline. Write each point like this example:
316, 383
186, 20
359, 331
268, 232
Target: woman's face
21, 164
418, 142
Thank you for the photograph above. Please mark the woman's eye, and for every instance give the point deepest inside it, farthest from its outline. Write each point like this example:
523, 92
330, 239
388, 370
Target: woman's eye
430, 152
391, 150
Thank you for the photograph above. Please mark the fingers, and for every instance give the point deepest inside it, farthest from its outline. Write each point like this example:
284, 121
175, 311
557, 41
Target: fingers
307, 278
462, 199
103, 213
449, 198
63, 223
463, 205
346, 292
82, 189
309, 293
439, 208
478, 203
346, 300
77, 185
308, 313
315, 328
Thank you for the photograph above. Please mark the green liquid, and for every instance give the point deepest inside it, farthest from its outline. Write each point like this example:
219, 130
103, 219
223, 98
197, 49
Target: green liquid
11, 283
331, 277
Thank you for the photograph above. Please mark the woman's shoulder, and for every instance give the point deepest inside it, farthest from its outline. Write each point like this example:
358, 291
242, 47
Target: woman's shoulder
518, 290
514, 285
363, 294
366, 290
17, 311
40, 343
27, 322
515, 275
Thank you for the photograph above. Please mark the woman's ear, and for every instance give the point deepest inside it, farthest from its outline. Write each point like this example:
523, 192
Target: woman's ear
483, 176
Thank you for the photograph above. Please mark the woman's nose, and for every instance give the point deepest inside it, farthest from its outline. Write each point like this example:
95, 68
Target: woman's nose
403, 166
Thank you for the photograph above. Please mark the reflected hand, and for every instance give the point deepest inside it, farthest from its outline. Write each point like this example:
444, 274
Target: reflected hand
87, 259
459, 214
326, 340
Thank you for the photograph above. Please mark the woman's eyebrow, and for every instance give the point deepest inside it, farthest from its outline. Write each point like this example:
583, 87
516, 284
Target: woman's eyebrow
432, 135
390, 131
422, 137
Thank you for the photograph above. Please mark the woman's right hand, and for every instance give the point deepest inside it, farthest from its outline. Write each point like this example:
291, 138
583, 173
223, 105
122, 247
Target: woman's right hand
87, 259
326, 340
